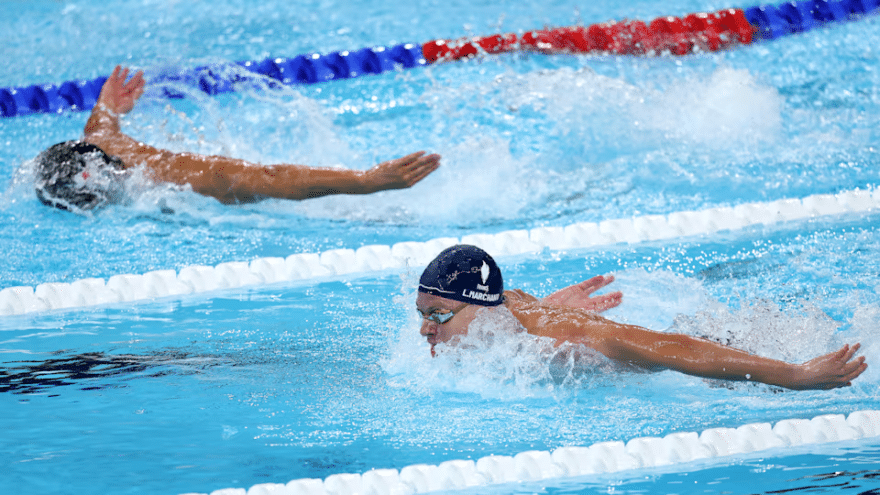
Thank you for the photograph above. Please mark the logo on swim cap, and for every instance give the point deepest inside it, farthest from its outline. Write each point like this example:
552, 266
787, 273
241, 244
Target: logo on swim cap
464, 273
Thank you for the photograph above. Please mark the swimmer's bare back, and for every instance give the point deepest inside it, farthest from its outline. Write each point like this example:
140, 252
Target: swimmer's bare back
232, 180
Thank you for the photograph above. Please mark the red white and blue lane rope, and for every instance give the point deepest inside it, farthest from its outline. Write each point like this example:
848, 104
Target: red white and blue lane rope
693, 33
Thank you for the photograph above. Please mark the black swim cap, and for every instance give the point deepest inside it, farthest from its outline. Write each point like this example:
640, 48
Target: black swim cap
464, 273
76, 175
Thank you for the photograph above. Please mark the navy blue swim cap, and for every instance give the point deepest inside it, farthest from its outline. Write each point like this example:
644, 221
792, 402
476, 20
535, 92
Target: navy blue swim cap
77, 176
464, 273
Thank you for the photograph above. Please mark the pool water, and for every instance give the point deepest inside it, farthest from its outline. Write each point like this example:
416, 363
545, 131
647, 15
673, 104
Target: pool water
312, 378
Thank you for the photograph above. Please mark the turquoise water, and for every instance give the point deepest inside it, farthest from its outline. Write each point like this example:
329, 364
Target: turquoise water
314, 378
557, 139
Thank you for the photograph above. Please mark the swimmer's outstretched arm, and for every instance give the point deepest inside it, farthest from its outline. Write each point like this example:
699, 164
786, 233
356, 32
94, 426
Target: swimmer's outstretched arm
708, 359
236, 181
686, 354
232, 180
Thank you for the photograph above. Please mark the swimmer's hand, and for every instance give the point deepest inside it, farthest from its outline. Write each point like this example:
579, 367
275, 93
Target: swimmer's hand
400, 173
580, 295
833, 370
119, 96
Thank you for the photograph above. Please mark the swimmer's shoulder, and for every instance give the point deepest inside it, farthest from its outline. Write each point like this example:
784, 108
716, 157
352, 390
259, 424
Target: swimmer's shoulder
562, 323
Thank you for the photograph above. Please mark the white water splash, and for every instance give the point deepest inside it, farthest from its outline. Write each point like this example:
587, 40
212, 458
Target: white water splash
496, 359
728, 108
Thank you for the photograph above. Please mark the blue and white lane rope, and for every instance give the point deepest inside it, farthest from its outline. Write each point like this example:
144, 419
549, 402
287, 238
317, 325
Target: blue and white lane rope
599, 458
336, 262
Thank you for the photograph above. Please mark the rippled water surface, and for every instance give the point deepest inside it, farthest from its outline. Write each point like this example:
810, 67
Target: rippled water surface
314, 378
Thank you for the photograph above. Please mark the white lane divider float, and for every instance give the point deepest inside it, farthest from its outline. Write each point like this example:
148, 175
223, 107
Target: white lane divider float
605, 457
197, 279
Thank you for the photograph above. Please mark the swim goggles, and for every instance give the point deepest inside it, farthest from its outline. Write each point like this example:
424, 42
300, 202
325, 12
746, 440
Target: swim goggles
440, 318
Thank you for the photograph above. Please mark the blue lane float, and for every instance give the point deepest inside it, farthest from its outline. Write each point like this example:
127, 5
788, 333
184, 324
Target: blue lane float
309, 69
47, 98
220, 78
763, 22
773, 21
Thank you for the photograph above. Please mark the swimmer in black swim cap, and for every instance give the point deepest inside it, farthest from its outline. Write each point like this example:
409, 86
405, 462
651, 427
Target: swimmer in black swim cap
230, 180
463, 282
78, 176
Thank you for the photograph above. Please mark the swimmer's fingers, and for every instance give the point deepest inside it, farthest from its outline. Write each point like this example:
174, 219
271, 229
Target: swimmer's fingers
852, 368
408, 159
574, 296
135, 85
859, 367
848, 354
115, 75
413, 161
595, 283
132, 88
420, 168
119, 96
848, 372
605, 301
109, 96
113, 81
401, 172
580, 295
117, 79
412, 168
833, 370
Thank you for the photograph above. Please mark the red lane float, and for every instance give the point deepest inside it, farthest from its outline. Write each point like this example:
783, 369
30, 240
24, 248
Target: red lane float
665, 35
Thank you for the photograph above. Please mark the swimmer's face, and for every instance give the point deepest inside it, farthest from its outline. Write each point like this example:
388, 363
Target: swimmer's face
455, 327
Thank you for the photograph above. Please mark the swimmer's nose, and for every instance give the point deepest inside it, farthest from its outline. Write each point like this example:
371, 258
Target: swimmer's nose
428, 328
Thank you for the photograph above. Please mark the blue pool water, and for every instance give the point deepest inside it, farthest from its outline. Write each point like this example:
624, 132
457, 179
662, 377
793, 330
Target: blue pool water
314, 378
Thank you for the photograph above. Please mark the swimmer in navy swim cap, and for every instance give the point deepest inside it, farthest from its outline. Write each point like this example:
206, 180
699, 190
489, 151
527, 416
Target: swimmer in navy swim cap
463, 281
60, 180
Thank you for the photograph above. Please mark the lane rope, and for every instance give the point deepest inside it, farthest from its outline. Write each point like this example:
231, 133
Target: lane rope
599, 458
668, 35
693, 33
376, 258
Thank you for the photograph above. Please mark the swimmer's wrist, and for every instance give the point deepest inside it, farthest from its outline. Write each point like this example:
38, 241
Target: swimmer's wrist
780, 374
102, 119
366, 182
796, 377
104, 108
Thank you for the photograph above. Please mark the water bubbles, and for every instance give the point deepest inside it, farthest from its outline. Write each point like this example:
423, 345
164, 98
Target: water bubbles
498, 359
761, 327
